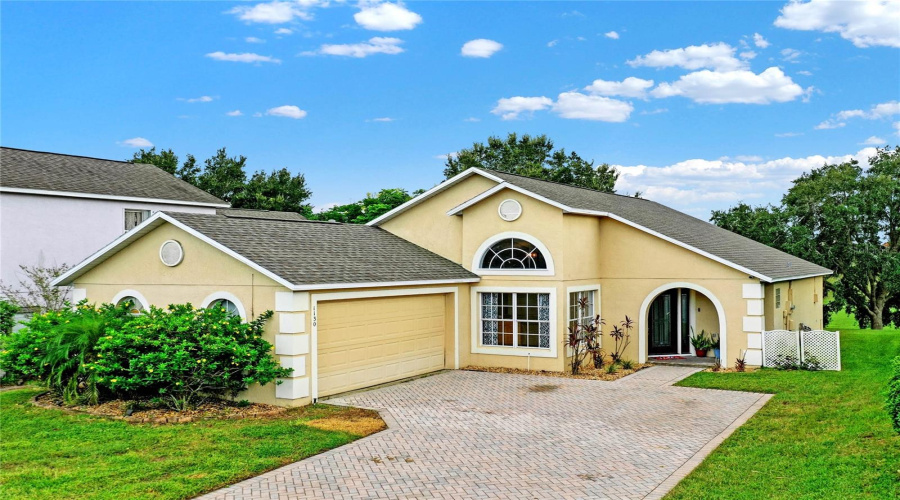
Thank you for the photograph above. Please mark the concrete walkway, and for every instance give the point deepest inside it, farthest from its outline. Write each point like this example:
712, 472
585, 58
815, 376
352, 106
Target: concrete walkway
474, 435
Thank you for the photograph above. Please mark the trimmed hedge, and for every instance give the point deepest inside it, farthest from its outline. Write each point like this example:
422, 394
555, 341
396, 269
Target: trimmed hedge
893, 399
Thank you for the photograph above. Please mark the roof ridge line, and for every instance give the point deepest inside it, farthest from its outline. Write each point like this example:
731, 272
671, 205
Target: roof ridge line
74, 156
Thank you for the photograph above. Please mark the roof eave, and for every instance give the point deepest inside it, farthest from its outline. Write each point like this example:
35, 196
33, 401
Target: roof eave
94, 196
804, 276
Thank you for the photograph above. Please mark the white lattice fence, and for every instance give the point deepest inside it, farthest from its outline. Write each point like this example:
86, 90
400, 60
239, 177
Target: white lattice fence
818, 348
778, 345
822, 347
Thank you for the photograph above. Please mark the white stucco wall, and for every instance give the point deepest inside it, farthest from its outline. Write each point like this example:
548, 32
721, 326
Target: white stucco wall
54, 230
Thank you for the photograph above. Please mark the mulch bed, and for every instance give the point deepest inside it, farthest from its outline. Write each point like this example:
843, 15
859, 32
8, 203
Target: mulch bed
145, 412
588, 372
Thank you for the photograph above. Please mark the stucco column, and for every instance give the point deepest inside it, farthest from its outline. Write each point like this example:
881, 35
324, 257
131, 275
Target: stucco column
292, 343
754, 322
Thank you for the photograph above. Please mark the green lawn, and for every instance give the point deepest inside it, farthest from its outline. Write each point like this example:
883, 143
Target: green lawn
52, 454
823, 434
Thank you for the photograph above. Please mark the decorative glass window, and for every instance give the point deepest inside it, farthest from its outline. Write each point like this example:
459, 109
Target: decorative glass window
133, 218
135, 308
778, 298
577, 315
228, 305
515, 320
513, 253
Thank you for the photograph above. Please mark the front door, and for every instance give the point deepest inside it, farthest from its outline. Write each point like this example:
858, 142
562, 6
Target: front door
662, 324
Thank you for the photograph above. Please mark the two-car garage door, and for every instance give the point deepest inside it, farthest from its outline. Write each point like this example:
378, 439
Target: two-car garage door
365, 342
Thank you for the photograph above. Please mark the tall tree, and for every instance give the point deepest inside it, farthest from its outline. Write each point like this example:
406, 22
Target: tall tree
369, 208
533, 157
225, 177
845, 218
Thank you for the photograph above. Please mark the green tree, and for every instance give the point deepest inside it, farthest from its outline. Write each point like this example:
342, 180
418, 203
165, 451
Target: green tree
225, 177
533, 156
369, 208
845, 218
278, 191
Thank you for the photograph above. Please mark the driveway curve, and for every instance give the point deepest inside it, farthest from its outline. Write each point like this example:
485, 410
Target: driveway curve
474, 435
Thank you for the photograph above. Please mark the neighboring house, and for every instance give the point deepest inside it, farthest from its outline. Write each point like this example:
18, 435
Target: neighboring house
484, 269
57, 209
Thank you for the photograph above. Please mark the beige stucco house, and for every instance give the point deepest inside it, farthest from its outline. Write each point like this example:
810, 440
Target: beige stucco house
483, 269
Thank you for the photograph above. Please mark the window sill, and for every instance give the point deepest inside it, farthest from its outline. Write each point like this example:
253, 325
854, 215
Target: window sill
534, 352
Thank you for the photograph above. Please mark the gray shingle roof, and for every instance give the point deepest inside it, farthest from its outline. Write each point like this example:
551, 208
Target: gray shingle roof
317, 253
25, 169
709, 238
247, 213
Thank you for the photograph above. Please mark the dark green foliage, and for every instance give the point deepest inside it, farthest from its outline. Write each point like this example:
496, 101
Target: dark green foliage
225, 177
8, 312
893, 398
369, 208
59, 347
845, 218
533, 157
184, 354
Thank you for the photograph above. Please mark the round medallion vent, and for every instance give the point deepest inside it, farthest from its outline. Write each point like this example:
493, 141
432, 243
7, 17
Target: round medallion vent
171, 253
510, 210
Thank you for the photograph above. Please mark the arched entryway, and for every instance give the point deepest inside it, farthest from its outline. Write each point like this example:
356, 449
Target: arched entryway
670, 312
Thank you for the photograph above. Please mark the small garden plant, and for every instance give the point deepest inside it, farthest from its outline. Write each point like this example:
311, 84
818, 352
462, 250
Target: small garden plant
621, 335
584, 340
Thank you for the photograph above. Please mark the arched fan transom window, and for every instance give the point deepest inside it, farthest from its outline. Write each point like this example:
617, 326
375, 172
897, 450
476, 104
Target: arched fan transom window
513, 253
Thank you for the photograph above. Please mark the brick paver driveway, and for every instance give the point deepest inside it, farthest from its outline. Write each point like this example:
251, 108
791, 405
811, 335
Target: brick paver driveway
463, 434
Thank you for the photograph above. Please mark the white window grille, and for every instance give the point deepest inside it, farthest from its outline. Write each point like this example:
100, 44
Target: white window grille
515, 320
577, 316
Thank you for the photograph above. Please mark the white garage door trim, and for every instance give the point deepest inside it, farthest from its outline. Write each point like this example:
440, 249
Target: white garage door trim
316, 298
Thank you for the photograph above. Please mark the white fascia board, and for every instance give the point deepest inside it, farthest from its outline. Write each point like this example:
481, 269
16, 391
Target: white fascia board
778, 280
431, 192
68, 194
341, 286
100, 255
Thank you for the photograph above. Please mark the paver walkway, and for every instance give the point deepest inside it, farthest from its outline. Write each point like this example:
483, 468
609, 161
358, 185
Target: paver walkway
473, 435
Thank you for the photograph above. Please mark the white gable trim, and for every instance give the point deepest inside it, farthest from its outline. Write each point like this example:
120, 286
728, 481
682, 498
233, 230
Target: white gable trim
68, 194
778, 280
431, 192
567, 209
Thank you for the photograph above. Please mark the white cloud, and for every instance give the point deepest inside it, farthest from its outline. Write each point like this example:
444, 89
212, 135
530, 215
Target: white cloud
203, 98
874, 141
655, 111
866, 23
386, 17
257, 115
552, 43
383, 119
375, 45
509, 108
246, 57
446, 156
287, 112
697, 182
804, 73
759, 41
747, 55
236, 112
629, 87
273, 12
284, 31
253, 39
718, 56
885, 110
472, 119
742, 86
897, 128
481, 47
577, 106
789, 134
611, 34
136, 142
791, 55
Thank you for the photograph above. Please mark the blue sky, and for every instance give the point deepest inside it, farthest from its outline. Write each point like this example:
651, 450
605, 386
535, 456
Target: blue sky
700, 104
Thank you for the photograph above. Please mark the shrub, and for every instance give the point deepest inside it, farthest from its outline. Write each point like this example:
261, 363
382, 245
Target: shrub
584, 340
8, 312
184, 355
621, 335
893, 398
626, 364
58, 348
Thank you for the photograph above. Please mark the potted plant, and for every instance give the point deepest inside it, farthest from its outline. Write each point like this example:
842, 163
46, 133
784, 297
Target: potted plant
714, 344
701, 343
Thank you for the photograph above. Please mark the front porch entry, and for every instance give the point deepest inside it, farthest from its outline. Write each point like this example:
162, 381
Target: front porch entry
669, 323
